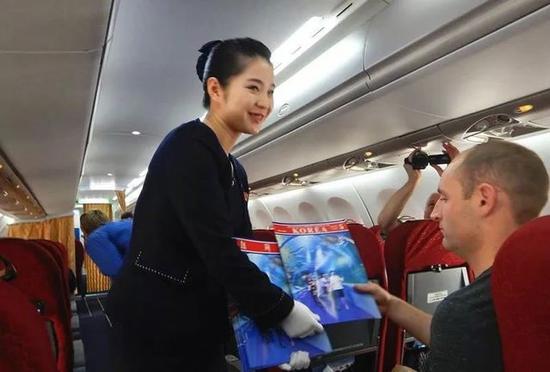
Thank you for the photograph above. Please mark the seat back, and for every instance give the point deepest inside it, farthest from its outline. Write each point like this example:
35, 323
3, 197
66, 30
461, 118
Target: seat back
58, 252
377, 231
264, 235
24, 343
413, 246
372, 256
521, 295
39, 279
79, 262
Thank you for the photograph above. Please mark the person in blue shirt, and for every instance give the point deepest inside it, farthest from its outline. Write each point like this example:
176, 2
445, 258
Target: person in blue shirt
106, 242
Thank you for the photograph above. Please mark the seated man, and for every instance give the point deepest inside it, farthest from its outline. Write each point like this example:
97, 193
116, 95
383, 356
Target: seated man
389, 217
486, 193
106, 242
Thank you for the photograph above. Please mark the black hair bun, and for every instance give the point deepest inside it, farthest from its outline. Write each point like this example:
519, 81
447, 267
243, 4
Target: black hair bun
203, 58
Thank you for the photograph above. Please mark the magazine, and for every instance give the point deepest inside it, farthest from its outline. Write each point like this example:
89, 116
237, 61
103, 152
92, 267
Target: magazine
273, 347
317, 264
322, 265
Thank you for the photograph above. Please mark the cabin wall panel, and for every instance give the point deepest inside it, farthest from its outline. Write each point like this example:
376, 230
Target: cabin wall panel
376, 189
260, 216
340, 200
300, 206
331, 201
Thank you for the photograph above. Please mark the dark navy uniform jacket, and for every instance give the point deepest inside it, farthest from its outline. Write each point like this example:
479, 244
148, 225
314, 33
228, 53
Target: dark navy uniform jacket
183, 262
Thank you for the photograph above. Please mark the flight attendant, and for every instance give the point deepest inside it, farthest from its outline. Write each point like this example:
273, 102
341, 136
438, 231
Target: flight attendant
168, 305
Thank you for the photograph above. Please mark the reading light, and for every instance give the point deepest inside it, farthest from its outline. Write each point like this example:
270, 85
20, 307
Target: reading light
368, 153
523, 109
136, 132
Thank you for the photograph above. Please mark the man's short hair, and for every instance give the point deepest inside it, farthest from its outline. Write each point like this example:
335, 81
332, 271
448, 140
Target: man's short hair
517, 170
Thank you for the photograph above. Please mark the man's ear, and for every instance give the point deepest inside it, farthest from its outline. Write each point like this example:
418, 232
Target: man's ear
214, 89
487, 198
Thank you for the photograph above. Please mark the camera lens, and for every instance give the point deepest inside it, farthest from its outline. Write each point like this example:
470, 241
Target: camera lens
420, 160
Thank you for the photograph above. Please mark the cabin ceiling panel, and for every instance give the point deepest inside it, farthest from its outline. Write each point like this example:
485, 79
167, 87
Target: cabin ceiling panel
50, 52
45, 102
95, 194
148, 80
121, 154
53, 25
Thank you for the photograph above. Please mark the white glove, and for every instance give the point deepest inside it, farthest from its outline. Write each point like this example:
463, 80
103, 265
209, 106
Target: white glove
301, 322
298, 360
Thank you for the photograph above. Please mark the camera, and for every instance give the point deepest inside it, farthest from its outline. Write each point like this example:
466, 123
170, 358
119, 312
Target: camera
420, 159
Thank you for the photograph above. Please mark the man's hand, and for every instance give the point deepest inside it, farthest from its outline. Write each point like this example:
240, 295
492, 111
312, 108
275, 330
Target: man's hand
301, 322
382, 297
413, 174
414, 320
451, 150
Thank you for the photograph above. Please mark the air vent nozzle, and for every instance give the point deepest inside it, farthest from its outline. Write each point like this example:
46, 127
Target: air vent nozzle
499, 126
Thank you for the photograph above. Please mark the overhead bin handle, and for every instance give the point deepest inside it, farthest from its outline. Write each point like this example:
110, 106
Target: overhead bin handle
9, 270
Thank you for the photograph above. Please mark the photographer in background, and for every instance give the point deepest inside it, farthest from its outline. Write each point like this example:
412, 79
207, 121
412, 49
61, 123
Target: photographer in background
389, 218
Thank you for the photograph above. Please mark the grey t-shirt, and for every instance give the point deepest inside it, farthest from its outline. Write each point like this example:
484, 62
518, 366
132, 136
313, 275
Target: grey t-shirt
464, 334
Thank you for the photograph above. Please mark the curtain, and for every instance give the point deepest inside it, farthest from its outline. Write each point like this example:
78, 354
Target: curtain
95, 281
57, 229
121, 197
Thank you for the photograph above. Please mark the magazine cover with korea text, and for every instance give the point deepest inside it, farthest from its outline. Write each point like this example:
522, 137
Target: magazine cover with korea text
322, 265
258, 349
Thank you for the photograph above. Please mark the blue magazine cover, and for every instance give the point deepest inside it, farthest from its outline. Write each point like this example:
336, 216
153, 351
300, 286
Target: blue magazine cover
322, 265
273, 347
